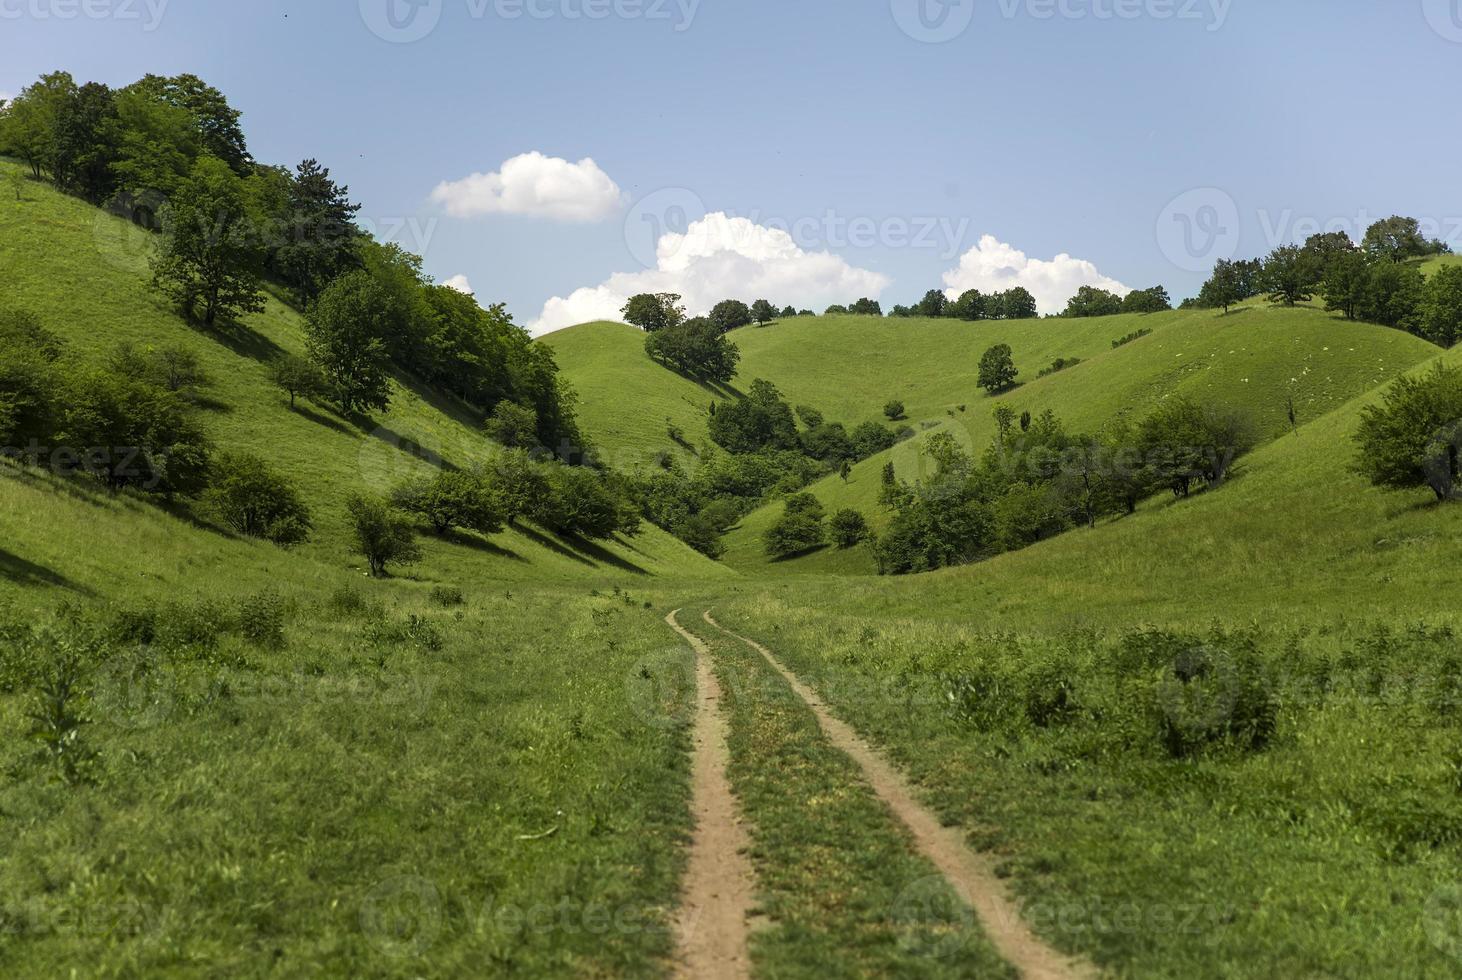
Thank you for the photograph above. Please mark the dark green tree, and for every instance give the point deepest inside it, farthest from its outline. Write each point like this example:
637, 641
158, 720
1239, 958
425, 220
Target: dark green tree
1290, 275
383, 535
763, 312
345, 330
1412, 439
997, 369
654, 311
210, 260
730, 314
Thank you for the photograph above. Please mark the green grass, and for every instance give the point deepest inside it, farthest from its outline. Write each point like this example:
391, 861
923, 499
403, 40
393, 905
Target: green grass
845, 890
85, 274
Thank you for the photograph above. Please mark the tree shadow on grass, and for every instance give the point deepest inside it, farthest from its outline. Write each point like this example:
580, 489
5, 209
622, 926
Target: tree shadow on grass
28, 573
800, 554
604, 555
310, 415
477, 542
244, 341
545, 541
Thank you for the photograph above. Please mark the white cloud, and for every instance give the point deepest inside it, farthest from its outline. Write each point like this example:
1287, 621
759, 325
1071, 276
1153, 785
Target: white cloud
537, 185
5, 96
992, 266
460, 284
721, 257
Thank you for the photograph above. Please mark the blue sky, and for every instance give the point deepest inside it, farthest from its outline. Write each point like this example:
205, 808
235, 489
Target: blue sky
1142, 137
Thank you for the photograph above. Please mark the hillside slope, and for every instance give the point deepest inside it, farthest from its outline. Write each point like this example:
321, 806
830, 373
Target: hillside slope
85, 273
1258, 358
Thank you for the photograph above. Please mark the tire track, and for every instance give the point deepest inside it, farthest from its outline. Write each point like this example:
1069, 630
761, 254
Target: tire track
971, 874
711, 925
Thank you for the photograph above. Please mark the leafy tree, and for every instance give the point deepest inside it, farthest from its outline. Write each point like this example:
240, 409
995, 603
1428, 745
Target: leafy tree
83, 153
971, 305
1183, 442
344, 329
997, 369
1092, 301
828, 442
654, 311
383, 535
28, 123
697, 348
1344, 284
761, 420
318, 239
1442, 308
799, 530
763, 312
1290, 275
580, 501
806, 313
789, 313
452, 499
1325, 248
1153, 300
173, 366
810, 416
1412, 439
514, 426
248, 495
214, 120
730, 314
1231, 283
701, 533
1393, 295
1017, 303
298, 378
1398, 239
210, 261
866, 307
932, 304
894, 410
849, 528
156, 146
835, 310
870, 439
30, 381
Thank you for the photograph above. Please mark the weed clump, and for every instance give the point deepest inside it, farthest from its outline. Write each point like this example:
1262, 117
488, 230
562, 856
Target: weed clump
447, 596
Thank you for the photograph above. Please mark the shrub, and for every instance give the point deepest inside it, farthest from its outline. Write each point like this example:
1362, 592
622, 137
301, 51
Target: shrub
191, 627
248, 495
894, 410
383, 535
1059, 364
348, 601
298, 378
1134, 335
450, 500
1206, 696
578, 500
447, 596
849, 528
261, 620
514, 426
799, 530
1412, 439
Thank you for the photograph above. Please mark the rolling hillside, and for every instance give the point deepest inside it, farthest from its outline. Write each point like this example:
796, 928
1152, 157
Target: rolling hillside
85, 273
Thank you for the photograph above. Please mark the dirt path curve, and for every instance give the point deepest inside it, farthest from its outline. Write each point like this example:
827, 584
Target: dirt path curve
972, 875
711, 925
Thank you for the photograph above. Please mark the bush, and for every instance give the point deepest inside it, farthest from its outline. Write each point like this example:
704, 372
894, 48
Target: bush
261, 620
252, 498
298, 378
849, 528
580, 501
383, 535
191, 627
1134, 335
1412, 439
1059, 364
871, 438
1206, 696
894, 410
514, 426
450, 500
447, 596
799, 530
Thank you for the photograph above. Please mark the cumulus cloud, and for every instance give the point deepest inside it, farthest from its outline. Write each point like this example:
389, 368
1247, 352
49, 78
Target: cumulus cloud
721, 257
993, 266
460, 284
536, 185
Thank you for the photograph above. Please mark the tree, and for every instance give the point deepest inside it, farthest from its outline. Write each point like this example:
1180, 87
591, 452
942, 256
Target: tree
761, 420
997, 369
210, 261
1412, 439
1017, 303
1093, 301
789, 313
513, 426
1153, 300
835, 310
763, 312
845, 470
866, 307
1290, 275
730, 314
1393, 295
213, 119
871, 438
1442, 308
156, 146
453, 499
654, 311
894, 410
849, 528
28, 122
318, 239
345, 330
971, 305
1344, 284
1183, 441
248, 495
1326, 248
1225, 287
1398, 239
697, 348
82, 151
932, 304
383, 535
298, 378
799, 530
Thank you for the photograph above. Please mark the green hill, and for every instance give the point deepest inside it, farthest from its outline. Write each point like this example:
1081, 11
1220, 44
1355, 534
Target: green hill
85, 274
